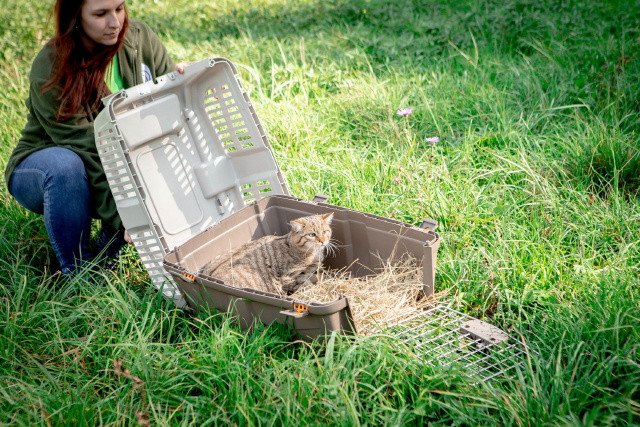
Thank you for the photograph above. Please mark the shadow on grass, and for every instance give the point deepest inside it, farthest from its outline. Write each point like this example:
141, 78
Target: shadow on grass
416, 28
582, 53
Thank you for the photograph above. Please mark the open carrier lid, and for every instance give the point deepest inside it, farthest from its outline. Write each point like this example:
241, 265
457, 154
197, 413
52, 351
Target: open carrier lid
180, 154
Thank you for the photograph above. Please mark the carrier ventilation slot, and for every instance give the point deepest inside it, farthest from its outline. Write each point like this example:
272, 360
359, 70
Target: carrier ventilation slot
252, 192
227, 119
115, 165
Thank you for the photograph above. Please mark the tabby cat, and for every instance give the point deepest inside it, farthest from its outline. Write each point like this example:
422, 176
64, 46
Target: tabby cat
277, 264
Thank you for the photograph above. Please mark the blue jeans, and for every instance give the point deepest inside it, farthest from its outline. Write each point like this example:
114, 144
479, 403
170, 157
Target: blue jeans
53, 182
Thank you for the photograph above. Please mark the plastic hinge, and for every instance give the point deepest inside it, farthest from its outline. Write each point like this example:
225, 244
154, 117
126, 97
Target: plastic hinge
429, 224
487, 333
298, 310
320, 198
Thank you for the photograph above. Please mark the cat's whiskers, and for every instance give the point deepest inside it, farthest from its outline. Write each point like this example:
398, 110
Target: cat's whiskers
331, 248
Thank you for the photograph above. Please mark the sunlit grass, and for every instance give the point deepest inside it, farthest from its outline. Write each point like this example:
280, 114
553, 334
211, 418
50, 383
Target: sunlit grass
534, 181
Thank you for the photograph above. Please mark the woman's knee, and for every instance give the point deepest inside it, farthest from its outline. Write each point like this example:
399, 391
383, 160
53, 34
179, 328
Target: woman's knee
51, 170
66, 163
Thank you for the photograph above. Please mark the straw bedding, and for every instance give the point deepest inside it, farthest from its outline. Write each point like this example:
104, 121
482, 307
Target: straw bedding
375, 300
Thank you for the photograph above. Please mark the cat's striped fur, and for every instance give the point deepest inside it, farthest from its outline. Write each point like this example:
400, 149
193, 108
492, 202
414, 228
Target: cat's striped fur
277, 264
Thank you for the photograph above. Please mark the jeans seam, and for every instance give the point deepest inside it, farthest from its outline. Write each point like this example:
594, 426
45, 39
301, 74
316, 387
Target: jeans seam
49, 226
45, 204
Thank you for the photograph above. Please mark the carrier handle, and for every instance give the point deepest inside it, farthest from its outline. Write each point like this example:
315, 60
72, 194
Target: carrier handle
429, 224
320, 198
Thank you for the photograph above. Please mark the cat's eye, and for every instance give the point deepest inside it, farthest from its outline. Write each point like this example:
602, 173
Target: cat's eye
312, 234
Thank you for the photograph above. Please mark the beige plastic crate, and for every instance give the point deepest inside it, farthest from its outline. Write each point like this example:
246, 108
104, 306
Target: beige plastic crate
365, 242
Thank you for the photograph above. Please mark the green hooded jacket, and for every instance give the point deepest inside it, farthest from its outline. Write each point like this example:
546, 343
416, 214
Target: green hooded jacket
142, 58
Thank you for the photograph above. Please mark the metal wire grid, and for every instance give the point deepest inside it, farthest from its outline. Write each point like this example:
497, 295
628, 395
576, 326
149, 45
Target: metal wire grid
437, 336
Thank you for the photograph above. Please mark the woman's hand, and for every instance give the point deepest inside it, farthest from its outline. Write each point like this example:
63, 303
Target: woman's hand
127, 237
180, 66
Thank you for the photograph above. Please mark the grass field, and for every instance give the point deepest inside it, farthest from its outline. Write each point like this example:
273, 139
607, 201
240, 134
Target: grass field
534, 180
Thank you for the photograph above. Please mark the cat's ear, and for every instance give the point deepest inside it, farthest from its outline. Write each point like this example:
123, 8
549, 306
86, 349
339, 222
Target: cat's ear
328, 217
296, 225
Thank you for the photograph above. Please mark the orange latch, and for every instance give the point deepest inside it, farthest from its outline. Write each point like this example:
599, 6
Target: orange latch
300, 308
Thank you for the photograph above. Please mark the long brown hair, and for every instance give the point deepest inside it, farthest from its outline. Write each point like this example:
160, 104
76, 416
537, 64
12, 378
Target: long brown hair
78, 74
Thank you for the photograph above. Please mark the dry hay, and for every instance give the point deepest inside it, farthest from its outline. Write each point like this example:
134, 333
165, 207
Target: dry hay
375, 300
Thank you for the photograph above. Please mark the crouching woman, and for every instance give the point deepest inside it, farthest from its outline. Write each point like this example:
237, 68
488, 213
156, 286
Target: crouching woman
55, 169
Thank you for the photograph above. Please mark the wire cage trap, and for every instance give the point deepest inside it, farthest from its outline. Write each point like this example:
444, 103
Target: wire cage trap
443, 337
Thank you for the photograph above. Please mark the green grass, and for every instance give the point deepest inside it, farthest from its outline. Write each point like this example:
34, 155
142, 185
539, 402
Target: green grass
534, 182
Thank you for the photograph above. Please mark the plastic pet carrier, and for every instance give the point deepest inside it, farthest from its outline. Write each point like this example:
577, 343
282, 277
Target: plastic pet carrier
193, 176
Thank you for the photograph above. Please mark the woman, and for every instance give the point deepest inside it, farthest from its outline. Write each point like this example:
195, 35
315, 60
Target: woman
55, 169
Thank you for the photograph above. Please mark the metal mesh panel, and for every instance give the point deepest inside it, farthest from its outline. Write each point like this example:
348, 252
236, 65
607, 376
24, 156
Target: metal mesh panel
443, 337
